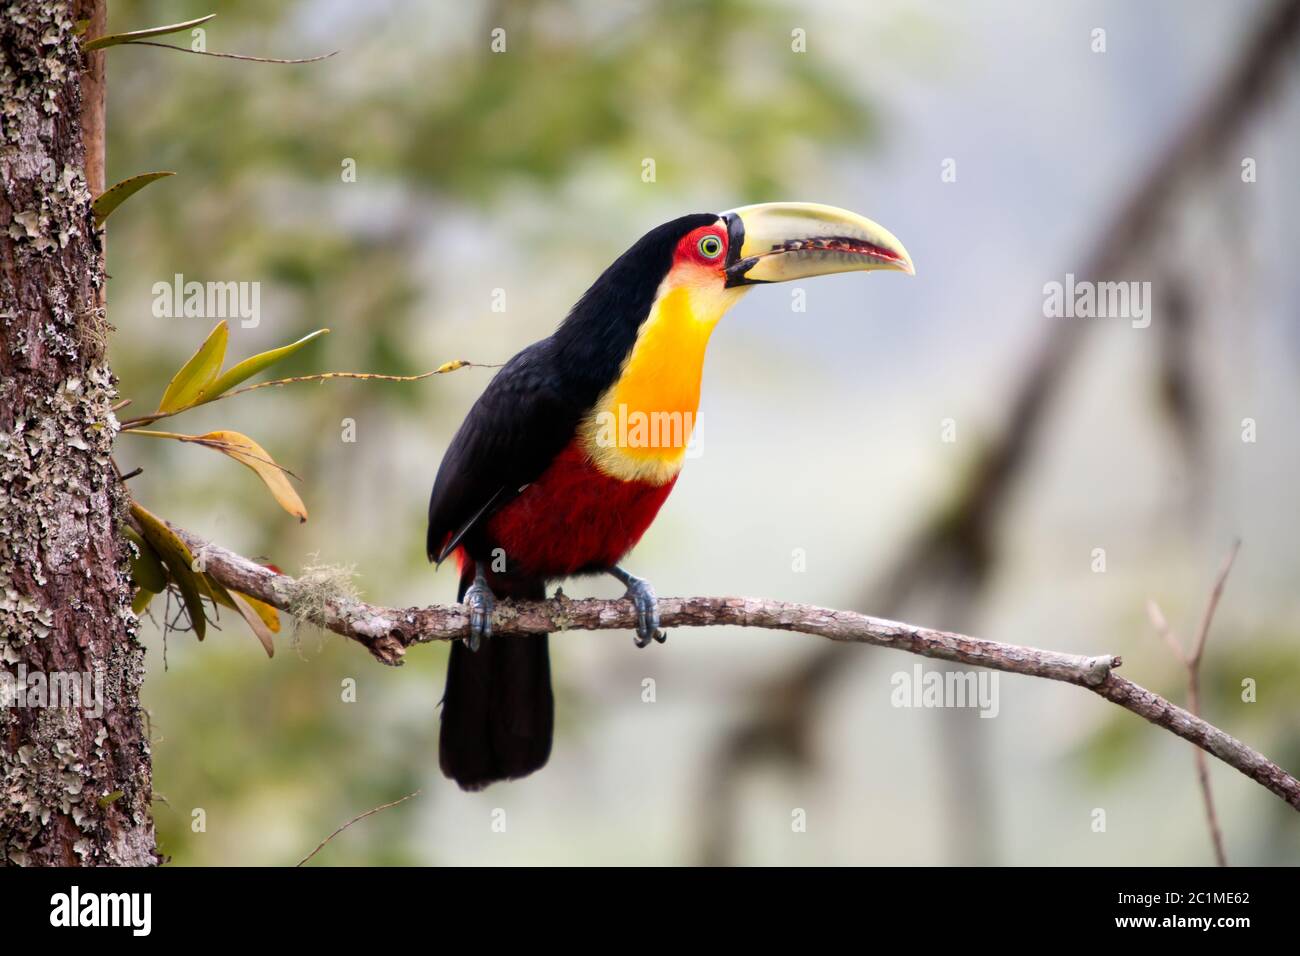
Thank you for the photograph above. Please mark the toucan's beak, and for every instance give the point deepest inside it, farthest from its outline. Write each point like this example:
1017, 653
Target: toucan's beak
776, 241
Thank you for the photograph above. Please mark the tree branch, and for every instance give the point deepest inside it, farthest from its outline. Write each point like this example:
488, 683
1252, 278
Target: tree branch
1191, 661
358, 818
388, 632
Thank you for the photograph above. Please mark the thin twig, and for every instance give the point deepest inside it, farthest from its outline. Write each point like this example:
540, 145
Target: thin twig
326, 376
134, 423
360, 816
388, 632
228, 56
1191, 661
1161, 626
1198, 648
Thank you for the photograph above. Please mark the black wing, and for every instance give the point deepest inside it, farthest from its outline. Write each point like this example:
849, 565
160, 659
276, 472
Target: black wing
514, 431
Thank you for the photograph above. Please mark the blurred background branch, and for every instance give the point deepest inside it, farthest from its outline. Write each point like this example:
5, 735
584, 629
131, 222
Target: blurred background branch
1190, 659
955, 552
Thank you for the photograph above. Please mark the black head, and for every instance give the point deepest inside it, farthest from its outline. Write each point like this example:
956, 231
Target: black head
601, 328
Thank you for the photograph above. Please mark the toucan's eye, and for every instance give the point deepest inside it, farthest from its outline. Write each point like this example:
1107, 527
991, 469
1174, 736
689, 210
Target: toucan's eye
710, 247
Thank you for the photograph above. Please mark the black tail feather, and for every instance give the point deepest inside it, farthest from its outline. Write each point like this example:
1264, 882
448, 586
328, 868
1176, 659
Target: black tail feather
498, 713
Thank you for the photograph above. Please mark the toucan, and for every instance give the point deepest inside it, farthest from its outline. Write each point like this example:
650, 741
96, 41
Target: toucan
567, 456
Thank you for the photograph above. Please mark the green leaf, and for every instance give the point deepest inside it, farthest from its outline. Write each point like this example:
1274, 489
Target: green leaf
116, 39
141, 601
115, 195
180, 564
146, 567
249, 367
217, 590
197, 375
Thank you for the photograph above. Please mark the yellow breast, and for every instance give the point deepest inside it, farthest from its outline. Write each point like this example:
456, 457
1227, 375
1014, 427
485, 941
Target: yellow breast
641, 425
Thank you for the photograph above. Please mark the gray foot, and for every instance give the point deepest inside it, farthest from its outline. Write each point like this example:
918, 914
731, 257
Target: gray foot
642, 595
481, 603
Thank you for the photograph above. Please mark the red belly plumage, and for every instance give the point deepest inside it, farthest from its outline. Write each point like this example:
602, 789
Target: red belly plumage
574, 518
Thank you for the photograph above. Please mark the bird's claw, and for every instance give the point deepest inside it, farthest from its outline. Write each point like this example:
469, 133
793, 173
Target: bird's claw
481, 603
642, 596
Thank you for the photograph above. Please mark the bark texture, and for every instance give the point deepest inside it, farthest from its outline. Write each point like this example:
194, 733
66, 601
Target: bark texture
75, 788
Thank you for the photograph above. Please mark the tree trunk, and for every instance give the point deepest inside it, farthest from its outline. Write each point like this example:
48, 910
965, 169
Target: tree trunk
75, 780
